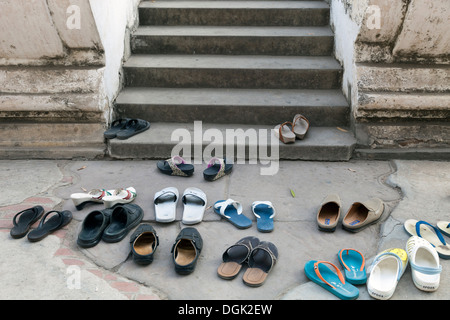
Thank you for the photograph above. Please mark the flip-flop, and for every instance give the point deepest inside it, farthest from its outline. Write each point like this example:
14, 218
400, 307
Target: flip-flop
231, 211
194, 201
430, 233
94, 196
217, 168
27, 218
116, 125
46, 227
385, 272
133, 127
444, 227
166, 204
300, 126
284, 132
175, 166
319, 273
123, 218
261, 261
264, 213
235, 256
353, 263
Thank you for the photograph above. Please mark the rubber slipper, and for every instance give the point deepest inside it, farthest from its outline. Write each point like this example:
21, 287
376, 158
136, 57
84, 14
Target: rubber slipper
92, 228
329, 213
123, 218
46, 227
175, 166
119, 196
444, 227
386, 270
186, 250
264, 213
116, 125
144, 242
363, 214
353, 263
430, 233
235, 256
165, 202
132, 127
194, 201
217, 168
231, 211
284, 132
300, 126
94, 196
261, 261
424, 261
27, 218
334, 282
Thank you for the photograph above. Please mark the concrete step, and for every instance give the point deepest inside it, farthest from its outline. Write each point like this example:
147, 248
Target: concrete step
244, 106
235, 13
227, 71
300, 41
241, 142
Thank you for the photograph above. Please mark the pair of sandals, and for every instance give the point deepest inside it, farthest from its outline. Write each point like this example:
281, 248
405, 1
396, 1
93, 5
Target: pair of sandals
288, 131
332, 279
125, 128
185, 251
432, 234
110, 225
177, 166
194, 201
231, 211
260, 256
108, 197
359, 216
24, 219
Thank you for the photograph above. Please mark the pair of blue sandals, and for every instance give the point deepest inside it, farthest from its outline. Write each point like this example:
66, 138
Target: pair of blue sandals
332, 278
231, 211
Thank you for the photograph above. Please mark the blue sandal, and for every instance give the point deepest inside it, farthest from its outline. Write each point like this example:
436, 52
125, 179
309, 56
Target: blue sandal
353, 263
264, 213
231, 211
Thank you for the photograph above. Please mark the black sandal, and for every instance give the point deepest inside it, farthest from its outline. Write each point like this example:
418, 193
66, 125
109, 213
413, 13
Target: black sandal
217, 168
92, 228
175, 166
123, 218
61, 219
260, 262
27, 218
116, 125
144, 242
133, 127
186, 250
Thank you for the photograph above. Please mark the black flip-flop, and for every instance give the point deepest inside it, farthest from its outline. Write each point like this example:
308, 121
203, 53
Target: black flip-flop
92, 228
133, 127
55, 222
26, 219
217, 168
123, 219
116, 125
175, 166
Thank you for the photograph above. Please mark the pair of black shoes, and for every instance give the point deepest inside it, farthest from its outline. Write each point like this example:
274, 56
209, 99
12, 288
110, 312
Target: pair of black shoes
109, 225
125, 128
185, 251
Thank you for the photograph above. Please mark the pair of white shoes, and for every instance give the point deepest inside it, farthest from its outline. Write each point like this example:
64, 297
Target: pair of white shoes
389, 266
108, 197
166, 200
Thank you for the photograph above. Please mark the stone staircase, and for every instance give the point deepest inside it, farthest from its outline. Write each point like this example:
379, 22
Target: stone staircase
238, 67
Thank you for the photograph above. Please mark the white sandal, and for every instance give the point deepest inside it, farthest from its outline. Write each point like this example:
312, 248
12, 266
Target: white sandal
386, 270
94, 196
166, 204
424, 261
194, 201
120, 196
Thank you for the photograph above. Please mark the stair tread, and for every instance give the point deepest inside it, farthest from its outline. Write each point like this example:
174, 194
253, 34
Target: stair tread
232, 62
236, 4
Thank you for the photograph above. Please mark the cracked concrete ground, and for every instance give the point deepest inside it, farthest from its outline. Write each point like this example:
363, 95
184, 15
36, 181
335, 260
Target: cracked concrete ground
56, 268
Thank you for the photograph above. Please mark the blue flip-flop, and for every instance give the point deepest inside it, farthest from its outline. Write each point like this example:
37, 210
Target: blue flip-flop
354, 265
231, 211
319, 273
264, 213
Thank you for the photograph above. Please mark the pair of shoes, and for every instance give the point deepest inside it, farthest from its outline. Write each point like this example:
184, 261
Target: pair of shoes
288, 131
108, 197
23, 221
231, 211
177, 166
358, 217
185, 251
430, 233
110, 225
194, 201
385, 272
260, 256
342, 286
125, 128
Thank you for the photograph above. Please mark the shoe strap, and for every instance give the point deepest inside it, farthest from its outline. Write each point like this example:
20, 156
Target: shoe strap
345, 265
339, 273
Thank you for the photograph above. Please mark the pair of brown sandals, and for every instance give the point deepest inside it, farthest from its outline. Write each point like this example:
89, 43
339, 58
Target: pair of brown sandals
288, 131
